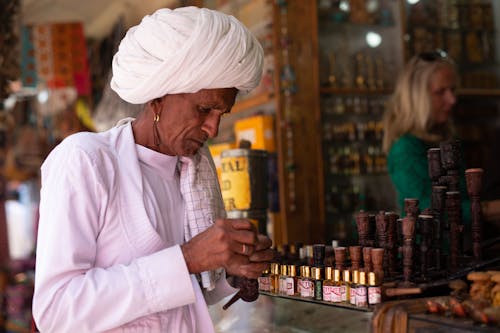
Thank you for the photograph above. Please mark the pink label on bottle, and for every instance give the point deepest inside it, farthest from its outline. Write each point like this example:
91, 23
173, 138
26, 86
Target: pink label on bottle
290, 286
337, 294
353, 296
361, 296
327, 292
343, 293
307, 289
374, 295
264, 283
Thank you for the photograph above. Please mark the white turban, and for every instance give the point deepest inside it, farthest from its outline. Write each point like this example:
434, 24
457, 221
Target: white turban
183, 51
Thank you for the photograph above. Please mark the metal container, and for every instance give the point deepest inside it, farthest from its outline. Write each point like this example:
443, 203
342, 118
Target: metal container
244, 179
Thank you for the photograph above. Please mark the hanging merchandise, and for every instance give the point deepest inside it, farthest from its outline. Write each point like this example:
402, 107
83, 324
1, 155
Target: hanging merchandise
29, 77
61, 56
9, 65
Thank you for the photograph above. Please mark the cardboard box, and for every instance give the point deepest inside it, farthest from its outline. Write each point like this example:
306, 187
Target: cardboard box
259, 130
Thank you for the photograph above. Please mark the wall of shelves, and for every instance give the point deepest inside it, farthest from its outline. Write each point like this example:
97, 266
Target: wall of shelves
356, 79
326, 89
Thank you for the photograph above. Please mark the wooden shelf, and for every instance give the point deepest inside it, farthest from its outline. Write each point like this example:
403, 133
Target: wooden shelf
312, 300
252, 102
354, 91
478, 92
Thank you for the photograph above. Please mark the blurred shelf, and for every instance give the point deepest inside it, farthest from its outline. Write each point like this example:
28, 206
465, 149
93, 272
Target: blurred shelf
252, 102
478, 92
354, 91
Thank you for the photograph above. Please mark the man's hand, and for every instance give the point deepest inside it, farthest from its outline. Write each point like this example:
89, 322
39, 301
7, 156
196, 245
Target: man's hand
233, 244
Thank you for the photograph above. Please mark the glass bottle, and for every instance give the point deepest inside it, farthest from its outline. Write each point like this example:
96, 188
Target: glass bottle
354, 286
265, 281
345, 288
318, 255
282, 279
291, 281
336, 295
299, 280
318, 283
374, 290
361, 294
328, 284
307, 285
274, 278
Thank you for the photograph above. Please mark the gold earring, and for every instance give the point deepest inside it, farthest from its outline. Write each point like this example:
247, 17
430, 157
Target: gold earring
156, 133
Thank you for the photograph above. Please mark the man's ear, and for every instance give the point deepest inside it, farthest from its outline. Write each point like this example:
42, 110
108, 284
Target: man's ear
156, 105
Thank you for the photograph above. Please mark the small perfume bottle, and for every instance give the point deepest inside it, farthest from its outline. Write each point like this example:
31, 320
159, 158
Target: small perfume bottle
354, 286
307, 284
282, 279
336, 296
291, 281
328, 284
299, 280
318, 283
274, 278
265, 281
345, 287
361, 294
374, 290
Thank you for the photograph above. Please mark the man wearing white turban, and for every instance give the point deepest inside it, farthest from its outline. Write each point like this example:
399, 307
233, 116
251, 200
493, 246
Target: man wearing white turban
132, 232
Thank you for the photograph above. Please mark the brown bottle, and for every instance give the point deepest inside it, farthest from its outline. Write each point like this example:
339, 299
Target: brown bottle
337, 287
345, 288
354, 286
275, 274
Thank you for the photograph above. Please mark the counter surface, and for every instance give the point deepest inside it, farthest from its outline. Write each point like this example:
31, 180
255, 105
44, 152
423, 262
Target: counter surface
277, 314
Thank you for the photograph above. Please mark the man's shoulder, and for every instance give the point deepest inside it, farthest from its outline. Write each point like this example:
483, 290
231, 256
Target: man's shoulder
85, 141
92, 145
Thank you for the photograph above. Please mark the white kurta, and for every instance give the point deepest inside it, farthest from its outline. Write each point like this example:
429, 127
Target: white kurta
108, 254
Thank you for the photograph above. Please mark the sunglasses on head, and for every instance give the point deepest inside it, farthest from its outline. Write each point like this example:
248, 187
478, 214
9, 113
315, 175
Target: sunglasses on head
433, 55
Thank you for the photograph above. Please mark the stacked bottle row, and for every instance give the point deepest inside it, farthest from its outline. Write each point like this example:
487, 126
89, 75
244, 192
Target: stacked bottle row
355, 287
352, 160
327, 273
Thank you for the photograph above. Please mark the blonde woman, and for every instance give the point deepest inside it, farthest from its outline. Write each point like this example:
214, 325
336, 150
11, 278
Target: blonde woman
418, 118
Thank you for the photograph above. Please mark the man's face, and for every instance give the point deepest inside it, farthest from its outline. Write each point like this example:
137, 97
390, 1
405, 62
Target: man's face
188, 120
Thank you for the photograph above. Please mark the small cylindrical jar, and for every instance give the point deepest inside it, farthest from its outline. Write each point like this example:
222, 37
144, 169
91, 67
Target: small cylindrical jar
345, 287
337, 287
291, 281
361, 292
275, 275
283, 277
306, 283
318, 283
374, 289
354, 286
328, 284
265, 281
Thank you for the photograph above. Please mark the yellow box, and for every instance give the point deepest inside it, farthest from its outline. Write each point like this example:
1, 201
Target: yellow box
216, 150
259, 130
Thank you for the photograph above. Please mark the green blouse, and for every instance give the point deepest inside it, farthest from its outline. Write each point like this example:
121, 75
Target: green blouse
408, 169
